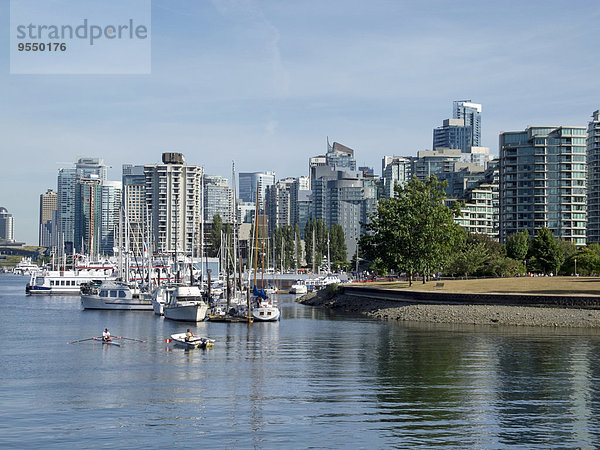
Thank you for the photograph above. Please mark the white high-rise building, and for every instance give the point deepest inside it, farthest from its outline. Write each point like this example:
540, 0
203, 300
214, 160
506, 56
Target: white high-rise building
593, 179
218, 199
174, 198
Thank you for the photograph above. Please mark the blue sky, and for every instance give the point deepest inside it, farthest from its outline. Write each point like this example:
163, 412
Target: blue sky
264, 83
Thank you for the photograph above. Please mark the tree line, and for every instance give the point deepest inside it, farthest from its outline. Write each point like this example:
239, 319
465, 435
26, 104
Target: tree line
415, 233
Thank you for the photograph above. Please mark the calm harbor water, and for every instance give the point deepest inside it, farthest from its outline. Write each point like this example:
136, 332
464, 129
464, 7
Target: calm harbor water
315, 379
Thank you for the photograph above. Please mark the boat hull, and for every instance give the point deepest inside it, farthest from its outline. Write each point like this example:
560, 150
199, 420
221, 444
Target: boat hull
266, 314
131, 304
192, 312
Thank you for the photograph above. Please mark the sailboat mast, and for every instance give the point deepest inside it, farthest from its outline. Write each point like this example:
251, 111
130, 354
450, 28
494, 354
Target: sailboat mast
256, 236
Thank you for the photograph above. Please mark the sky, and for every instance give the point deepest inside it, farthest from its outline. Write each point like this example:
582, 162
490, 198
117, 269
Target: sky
265, 82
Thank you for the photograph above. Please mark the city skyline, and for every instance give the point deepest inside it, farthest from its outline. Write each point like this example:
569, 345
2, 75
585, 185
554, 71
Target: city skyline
263, 84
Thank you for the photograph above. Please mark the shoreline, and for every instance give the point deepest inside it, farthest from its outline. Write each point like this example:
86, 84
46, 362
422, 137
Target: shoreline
450, 313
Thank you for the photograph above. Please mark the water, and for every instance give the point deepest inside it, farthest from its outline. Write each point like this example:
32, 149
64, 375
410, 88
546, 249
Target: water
315, 379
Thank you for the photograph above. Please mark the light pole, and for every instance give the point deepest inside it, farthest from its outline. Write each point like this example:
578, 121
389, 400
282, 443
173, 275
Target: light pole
575, 266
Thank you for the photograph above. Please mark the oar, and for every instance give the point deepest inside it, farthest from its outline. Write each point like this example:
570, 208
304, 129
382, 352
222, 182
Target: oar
82, 340
129, 339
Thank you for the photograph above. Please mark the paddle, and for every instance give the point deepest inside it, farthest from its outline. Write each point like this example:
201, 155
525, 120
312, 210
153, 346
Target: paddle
82, 340
129, 339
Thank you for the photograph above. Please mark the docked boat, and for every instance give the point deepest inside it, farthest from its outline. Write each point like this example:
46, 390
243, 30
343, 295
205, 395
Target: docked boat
112, 294
299, 287
264, 308
26, 267
185, 303
66, 282
194, 342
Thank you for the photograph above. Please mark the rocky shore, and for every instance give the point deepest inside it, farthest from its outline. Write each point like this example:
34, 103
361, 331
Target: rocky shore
456, 314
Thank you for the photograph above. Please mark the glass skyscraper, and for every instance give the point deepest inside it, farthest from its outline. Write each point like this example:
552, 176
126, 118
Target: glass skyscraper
470, 113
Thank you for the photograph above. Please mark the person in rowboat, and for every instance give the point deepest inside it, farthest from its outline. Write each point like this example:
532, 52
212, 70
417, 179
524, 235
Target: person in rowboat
106, 335
188, 335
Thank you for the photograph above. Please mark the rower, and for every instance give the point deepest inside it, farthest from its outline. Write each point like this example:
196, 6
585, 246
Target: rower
106, 335
188, 335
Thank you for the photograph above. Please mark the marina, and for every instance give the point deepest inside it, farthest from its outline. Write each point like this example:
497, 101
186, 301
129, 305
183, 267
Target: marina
317, 378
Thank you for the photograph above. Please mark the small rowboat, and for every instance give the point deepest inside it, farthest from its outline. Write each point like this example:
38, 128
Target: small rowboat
194, 342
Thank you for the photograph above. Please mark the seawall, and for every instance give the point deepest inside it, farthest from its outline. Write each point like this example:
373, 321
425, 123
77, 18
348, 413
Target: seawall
480, 309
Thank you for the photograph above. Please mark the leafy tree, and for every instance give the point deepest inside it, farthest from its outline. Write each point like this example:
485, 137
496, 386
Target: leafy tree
469, 260
588, 261
298, 247
337, 243
517, 245
413, 231
503, 266
215, 236
547, 252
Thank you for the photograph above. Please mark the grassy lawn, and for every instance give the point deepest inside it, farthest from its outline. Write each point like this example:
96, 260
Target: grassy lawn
524, 285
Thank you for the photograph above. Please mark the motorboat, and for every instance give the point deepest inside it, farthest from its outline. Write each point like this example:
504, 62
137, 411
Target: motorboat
299, 287
26, 267
193, 342
112, 294
185, 303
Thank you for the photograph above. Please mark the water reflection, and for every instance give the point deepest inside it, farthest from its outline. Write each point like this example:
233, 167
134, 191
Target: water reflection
317, 378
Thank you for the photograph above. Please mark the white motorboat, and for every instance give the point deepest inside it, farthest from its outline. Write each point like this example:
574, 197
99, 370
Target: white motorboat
26, 267
66, 282
185, 303
112, 294
299, 287
193, 342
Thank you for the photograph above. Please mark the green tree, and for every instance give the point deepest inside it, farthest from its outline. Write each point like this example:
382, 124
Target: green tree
547, 251
298, 247
215, 236
337, 243
414, 231
517, 245
468, 260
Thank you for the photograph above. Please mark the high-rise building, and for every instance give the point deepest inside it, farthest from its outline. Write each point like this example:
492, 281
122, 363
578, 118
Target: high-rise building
174, 198
435, 162
593, 179
7, 226
250, 181
48, 203
339, 156
218, 199
135, 212
111, 198
395, 170
453, 134
470, 113
278, 203
85, 168
88, 216
543, 182
341, 195
480, 204
245, 211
